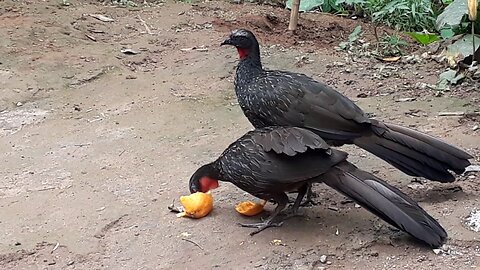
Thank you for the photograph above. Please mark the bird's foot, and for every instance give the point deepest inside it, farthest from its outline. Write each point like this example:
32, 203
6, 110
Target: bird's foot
261, 226
309, 202
290, 213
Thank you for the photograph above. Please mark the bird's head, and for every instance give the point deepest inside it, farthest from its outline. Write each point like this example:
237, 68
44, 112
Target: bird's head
244, 41
203, 179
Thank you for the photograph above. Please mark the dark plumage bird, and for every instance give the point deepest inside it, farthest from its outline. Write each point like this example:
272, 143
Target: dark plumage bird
271, 161
280, 98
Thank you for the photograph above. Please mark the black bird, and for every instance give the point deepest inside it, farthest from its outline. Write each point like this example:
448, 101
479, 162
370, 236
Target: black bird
271, 161
280, 98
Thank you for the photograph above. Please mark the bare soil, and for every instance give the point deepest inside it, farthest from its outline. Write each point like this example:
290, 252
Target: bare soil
96, 143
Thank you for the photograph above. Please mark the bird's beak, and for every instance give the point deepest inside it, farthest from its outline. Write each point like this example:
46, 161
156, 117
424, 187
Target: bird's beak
226, 42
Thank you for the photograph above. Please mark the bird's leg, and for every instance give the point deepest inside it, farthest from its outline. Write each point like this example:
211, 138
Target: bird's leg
298, 201
310, 195
282, 201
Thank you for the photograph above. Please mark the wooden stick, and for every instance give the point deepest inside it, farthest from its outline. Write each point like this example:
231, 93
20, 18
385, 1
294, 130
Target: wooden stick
292, 26
193, 242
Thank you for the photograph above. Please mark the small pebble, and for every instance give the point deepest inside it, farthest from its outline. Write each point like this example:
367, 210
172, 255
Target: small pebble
323, 258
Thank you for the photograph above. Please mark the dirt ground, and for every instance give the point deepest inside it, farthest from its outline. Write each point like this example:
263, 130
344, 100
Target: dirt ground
96, 143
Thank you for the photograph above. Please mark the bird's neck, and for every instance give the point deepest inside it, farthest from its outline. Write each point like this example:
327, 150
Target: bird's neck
207, 170
249, 66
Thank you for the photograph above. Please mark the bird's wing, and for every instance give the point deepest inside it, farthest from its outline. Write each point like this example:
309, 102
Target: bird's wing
302, 101
278, 155
289, 140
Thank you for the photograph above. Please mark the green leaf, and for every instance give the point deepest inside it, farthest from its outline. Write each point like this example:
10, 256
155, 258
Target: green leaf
307, 5
355, 34
453, 14
343, 45
450, 77
447, 33
423, 38
463, 46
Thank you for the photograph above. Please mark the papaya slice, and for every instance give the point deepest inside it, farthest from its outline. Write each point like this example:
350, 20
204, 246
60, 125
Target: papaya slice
249, 208
196, 205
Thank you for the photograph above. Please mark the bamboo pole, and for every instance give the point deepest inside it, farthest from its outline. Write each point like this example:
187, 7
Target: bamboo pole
292, 26
473, 42
472, 15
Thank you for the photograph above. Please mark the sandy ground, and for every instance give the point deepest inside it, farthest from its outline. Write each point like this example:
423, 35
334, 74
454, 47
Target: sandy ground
96, 143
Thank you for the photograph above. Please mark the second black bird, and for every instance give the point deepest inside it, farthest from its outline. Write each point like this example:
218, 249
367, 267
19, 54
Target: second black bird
272, 161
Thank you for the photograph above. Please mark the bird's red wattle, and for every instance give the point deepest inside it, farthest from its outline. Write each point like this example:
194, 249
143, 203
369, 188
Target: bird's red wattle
207, 183
242, 53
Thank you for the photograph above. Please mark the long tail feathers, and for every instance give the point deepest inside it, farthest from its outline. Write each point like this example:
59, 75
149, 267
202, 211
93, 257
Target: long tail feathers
415, 153
386, 202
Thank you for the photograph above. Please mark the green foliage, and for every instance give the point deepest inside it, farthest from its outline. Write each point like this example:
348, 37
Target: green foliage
331, 6
454, 20
424, 38
354, 36
392, 45
405, 15
447, 33
452, 15
416, 17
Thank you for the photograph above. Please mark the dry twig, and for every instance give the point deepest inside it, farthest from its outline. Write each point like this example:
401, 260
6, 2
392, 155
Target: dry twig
147, 29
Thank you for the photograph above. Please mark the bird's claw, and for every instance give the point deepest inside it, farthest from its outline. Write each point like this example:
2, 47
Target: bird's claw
261, 226
291, 214
308, 202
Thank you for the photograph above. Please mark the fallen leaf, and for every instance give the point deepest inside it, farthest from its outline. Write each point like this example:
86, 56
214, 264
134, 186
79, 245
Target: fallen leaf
185, 234
277, 242
200, 49
451, 113
408, 99
129, 51
91, 37
102, 18
391, 59
473, 168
